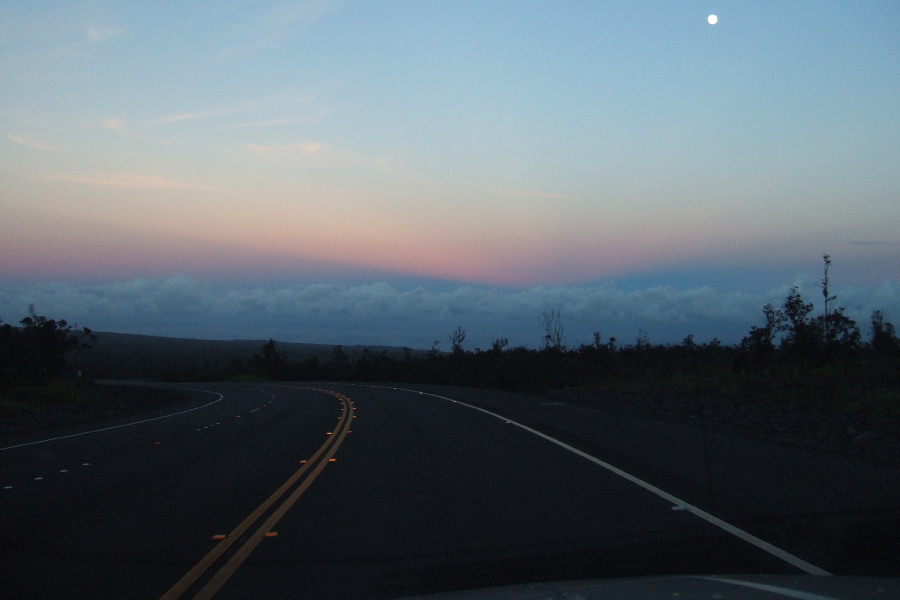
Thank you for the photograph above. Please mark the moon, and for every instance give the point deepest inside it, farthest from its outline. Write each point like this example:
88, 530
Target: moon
712, 19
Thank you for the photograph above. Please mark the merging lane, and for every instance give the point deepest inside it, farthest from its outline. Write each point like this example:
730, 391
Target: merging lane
333, 491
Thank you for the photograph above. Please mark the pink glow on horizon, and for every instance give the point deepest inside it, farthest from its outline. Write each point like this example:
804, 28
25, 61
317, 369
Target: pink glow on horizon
40, 247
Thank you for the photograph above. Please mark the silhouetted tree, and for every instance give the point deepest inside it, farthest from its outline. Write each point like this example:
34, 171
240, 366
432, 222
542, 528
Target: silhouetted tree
884, 338
7, 351
794, 320
271, 363
759, 343
39, 349
554, 332
339, 366
839, 332
456, 340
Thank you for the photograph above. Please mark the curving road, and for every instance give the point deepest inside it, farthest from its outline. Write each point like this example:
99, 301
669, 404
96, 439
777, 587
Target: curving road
333, 490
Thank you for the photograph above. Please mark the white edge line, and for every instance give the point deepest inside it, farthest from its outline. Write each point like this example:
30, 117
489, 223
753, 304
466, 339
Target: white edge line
736, 531
62, 437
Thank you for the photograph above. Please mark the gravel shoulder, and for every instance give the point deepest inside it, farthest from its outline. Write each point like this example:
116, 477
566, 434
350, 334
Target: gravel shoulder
867, 437
26, 413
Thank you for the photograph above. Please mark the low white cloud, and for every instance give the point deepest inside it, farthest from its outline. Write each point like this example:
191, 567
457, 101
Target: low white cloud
27, 141
277, 23
534, 194
318, 154
379, 313
286, 14
129, 180
98, 33
121, 127
189, 116
285, 18
115, 124
273, 122
302, 148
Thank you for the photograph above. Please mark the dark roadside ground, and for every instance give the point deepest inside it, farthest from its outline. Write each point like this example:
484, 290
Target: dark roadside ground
70, 404
868, 436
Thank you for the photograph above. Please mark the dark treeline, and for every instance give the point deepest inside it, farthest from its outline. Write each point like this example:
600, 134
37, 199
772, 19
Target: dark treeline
792, 351
35, 353
790, 346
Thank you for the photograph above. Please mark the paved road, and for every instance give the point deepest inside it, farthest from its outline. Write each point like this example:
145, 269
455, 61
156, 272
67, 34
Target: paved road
340, 491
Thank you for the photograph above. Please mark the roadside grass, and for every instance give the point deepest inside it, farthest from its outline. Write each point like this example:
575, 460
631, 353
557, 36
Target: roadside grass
70, 401
829, 389
62, 392
882, 402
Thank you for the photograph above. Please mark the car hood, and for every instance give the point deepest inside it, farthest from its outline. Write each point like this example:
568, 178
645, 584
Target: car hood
687, 587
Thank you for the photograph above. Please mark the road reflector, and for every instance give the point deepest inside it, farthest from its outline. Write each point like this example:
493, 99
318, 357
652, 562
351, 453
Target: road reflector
270, 534
219, 537
302, 461
332, 460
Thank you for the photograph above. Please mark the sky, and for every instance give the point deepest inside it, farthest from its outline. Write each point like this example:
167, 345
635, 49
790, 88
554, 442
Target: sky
381, 172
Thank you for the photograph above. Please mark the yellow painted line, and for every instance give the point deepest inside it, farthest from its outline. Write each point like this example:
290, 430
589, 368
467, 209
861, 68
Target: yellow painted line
237, 559
197, 571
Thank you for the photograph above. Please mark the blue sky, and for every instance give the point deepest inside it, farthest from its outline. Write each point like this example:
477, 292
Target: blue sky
422, 155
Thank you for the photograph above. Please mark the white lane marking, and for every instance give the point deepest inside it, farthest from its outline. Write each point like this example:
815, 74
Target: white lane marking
740, 533
62, 437
7, 487
63, 470
38, 478
776, 589
85, 464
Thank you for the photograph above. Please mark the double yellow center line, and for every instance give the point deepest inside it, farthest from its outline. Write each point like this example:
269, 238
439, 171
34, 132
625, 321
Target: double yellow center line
305, 476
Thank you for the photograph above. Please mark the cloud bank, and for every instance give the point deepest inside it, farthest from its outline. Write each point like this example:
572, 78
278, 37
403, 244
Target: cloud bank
379, 313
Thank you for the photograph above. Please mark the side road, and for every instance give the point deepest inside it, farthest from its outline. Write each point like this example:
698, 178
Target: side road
836, 513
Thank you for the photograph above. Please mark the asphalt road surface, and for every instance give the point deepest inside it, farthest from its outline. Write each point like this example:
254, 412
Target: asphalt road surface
327, 490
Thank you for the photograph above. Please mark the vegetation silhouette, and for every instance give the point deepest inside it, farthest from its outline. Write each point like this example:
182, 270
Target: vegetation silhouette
793, 355
35, 353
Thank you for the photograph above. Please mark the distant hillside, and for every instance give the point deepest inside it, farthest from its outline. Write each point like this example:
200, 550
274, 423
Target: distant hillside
131, 356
